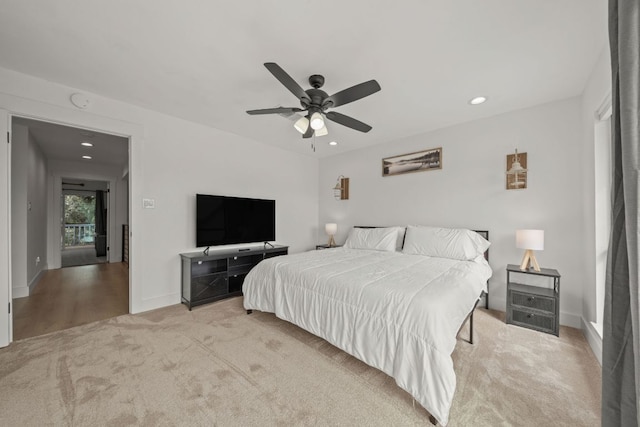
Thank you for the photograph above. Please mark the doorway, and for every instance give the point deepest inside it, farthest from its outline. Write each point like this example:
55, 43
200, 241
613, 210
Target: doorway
69, 194
85, 209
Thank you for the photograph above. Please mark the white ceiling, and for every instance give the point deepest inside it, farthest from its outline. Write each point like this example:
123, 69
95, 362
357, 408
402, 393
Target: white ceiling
202, 60
65, 143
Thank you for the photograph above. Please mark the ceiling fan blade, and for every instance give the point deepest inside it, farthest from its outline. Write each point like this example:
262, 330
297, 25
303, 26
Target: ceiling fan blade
347, 121
353, 93
287, 81
280, 110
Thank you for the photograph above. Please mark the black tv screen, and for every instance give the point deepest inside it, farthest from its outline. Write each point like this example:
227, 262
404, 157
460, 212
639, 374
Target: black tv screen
222, 220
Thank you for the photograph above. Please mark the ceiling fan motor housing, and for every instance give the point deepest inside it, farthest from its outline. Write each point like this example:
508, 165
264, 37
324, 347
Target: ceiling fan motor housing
317, 98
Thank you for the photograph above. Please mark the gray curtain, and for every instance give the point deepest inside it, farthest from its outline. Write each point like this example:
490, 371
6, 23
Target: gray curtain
101, 225
621, 340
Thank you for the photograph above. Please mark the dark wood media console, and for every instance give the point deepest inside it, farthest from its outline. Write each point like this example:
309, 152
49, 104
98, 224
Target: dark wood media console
220, 274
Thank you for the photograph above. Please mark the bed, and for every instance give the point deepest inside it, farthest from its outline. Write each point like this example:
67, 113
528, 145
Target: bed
398, 309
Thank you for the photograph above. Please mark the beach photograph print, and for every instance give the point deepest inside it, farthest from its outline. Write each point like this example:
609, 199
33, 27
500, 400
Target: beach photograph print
413, 162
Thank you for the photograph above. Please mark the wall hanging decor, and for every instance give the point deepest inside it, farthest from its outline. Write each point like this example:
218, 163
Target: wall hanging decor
341, 190
516, 171
419, 161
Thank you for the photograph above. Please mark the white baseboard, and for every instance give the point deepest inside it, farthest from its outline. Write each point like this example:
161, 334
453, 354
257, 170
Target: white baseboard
156, 302
593, 338
570, 319
25, 291
20, 292
36, 279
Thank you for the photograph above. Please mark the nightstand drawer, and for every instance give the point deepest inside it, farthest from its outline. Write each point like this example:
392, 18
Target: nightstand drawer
533, 320
536, 302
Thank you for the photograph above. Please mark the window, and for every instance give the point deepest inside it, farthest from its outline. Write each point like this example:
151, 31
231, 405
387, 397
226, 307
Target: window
79, 220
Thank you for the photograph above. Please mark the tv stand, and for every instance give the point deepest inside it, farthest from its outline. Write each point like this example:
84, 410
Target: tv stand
218, 274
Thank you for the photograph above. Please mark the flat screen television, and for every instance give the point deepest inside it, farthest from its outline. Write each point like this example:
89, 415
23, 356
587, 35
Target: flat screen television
222, 220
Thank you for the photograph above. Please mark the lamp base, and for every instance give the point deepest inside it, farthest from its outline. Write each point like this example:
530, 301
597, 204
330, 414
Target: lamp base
332, 242
529, 261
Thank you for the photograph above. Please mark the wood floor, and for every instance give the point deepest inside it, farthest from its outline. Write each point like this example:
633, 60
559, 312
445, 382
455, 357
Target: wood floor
72, 296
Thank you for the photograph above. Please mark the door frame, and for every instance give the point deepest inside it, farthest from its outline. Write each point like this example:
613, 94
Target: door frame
6, 318
11, 106
54, 251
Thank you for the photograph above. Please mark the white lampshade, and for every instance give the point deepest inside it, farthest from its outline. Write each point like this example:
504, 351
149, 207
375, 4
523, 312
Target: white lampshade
530, 239
322, 131
317, 122
331, 229
302, 124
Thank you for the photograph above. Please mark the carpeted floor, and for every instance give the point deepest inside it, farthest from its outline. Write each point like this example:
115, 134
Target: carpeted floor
216, 365
74, 256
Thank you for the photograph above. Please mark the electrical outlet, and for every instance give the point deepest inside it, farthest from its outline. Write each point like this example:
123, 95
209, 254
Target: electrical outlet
149, 203
37, 260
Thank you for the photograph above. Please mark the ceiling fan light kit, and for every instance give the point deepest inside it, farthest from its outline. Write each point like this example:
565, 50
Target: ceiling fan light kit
302, 125
316, 121
322, 131
315, 102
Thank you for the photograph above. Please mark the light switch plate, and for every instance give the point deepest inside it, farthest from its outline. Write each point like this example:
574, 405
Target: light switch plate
149, 203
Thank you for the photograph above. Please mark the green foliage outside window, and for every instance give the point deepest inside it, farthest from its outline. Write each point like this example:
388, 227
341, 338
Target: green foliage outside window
79, 209
79, 219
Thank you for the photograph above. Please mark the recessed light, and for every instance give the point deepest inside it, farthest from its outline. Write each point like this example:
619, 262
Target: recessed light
86, 144
333, 143
477, 100
86, 157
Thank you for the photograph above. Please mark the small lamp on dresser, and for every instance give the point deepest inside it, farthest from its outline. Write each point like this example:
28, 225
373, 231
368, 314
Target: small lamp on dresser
331, 229
530, 240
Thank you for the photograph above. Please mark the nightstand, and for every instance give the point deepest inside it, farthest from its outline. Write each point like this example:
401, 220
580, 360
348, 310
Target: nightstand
327, 247
534, 307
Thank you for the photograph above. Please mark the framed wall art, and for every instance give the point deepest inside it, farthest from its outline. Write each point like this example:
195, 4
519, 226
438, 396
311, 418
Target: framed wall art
419, 161
516, 171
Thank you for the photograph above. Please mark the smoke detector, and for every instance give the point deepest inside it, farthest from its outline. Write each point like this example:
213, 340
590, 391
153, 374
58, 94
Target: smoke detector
80, 100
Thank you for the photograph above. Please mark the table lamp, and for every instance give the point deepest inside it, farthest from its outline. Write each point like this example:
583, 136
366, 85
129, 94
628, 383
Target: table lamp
530, 240
331, 229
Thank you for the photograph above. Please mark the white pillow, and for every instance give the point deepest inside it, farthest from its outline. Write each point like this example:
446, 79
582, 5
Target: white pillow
453, 243
379, 239
400, 239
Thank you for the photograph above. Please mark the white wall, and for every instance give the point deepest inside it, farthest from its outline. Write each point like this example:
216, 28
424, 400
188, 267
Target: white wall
170, 161
470, 191
28, 211
596, 91
19, 159
36, 212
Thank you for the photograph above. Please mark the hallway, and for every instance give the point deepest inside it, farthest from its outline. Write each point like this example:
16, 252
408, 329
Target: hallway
70, 297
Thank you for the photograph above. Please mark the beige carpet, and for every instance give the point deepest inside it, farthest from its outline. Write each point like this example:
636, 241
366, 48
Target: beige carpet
218, 366
74, 256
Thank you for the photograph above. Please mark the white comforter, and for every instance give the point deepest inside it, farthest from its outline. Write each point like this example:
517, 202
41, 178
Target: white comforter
398, 313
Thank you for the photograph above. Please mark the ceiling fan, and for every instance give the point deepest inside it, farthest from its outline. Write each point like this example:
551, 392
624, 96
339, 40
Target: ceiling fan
316, 102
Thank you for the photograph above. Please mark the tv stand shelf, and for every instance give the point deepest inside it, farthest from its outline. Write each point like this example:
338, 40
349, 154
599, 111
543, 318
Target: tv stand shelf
220, 273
